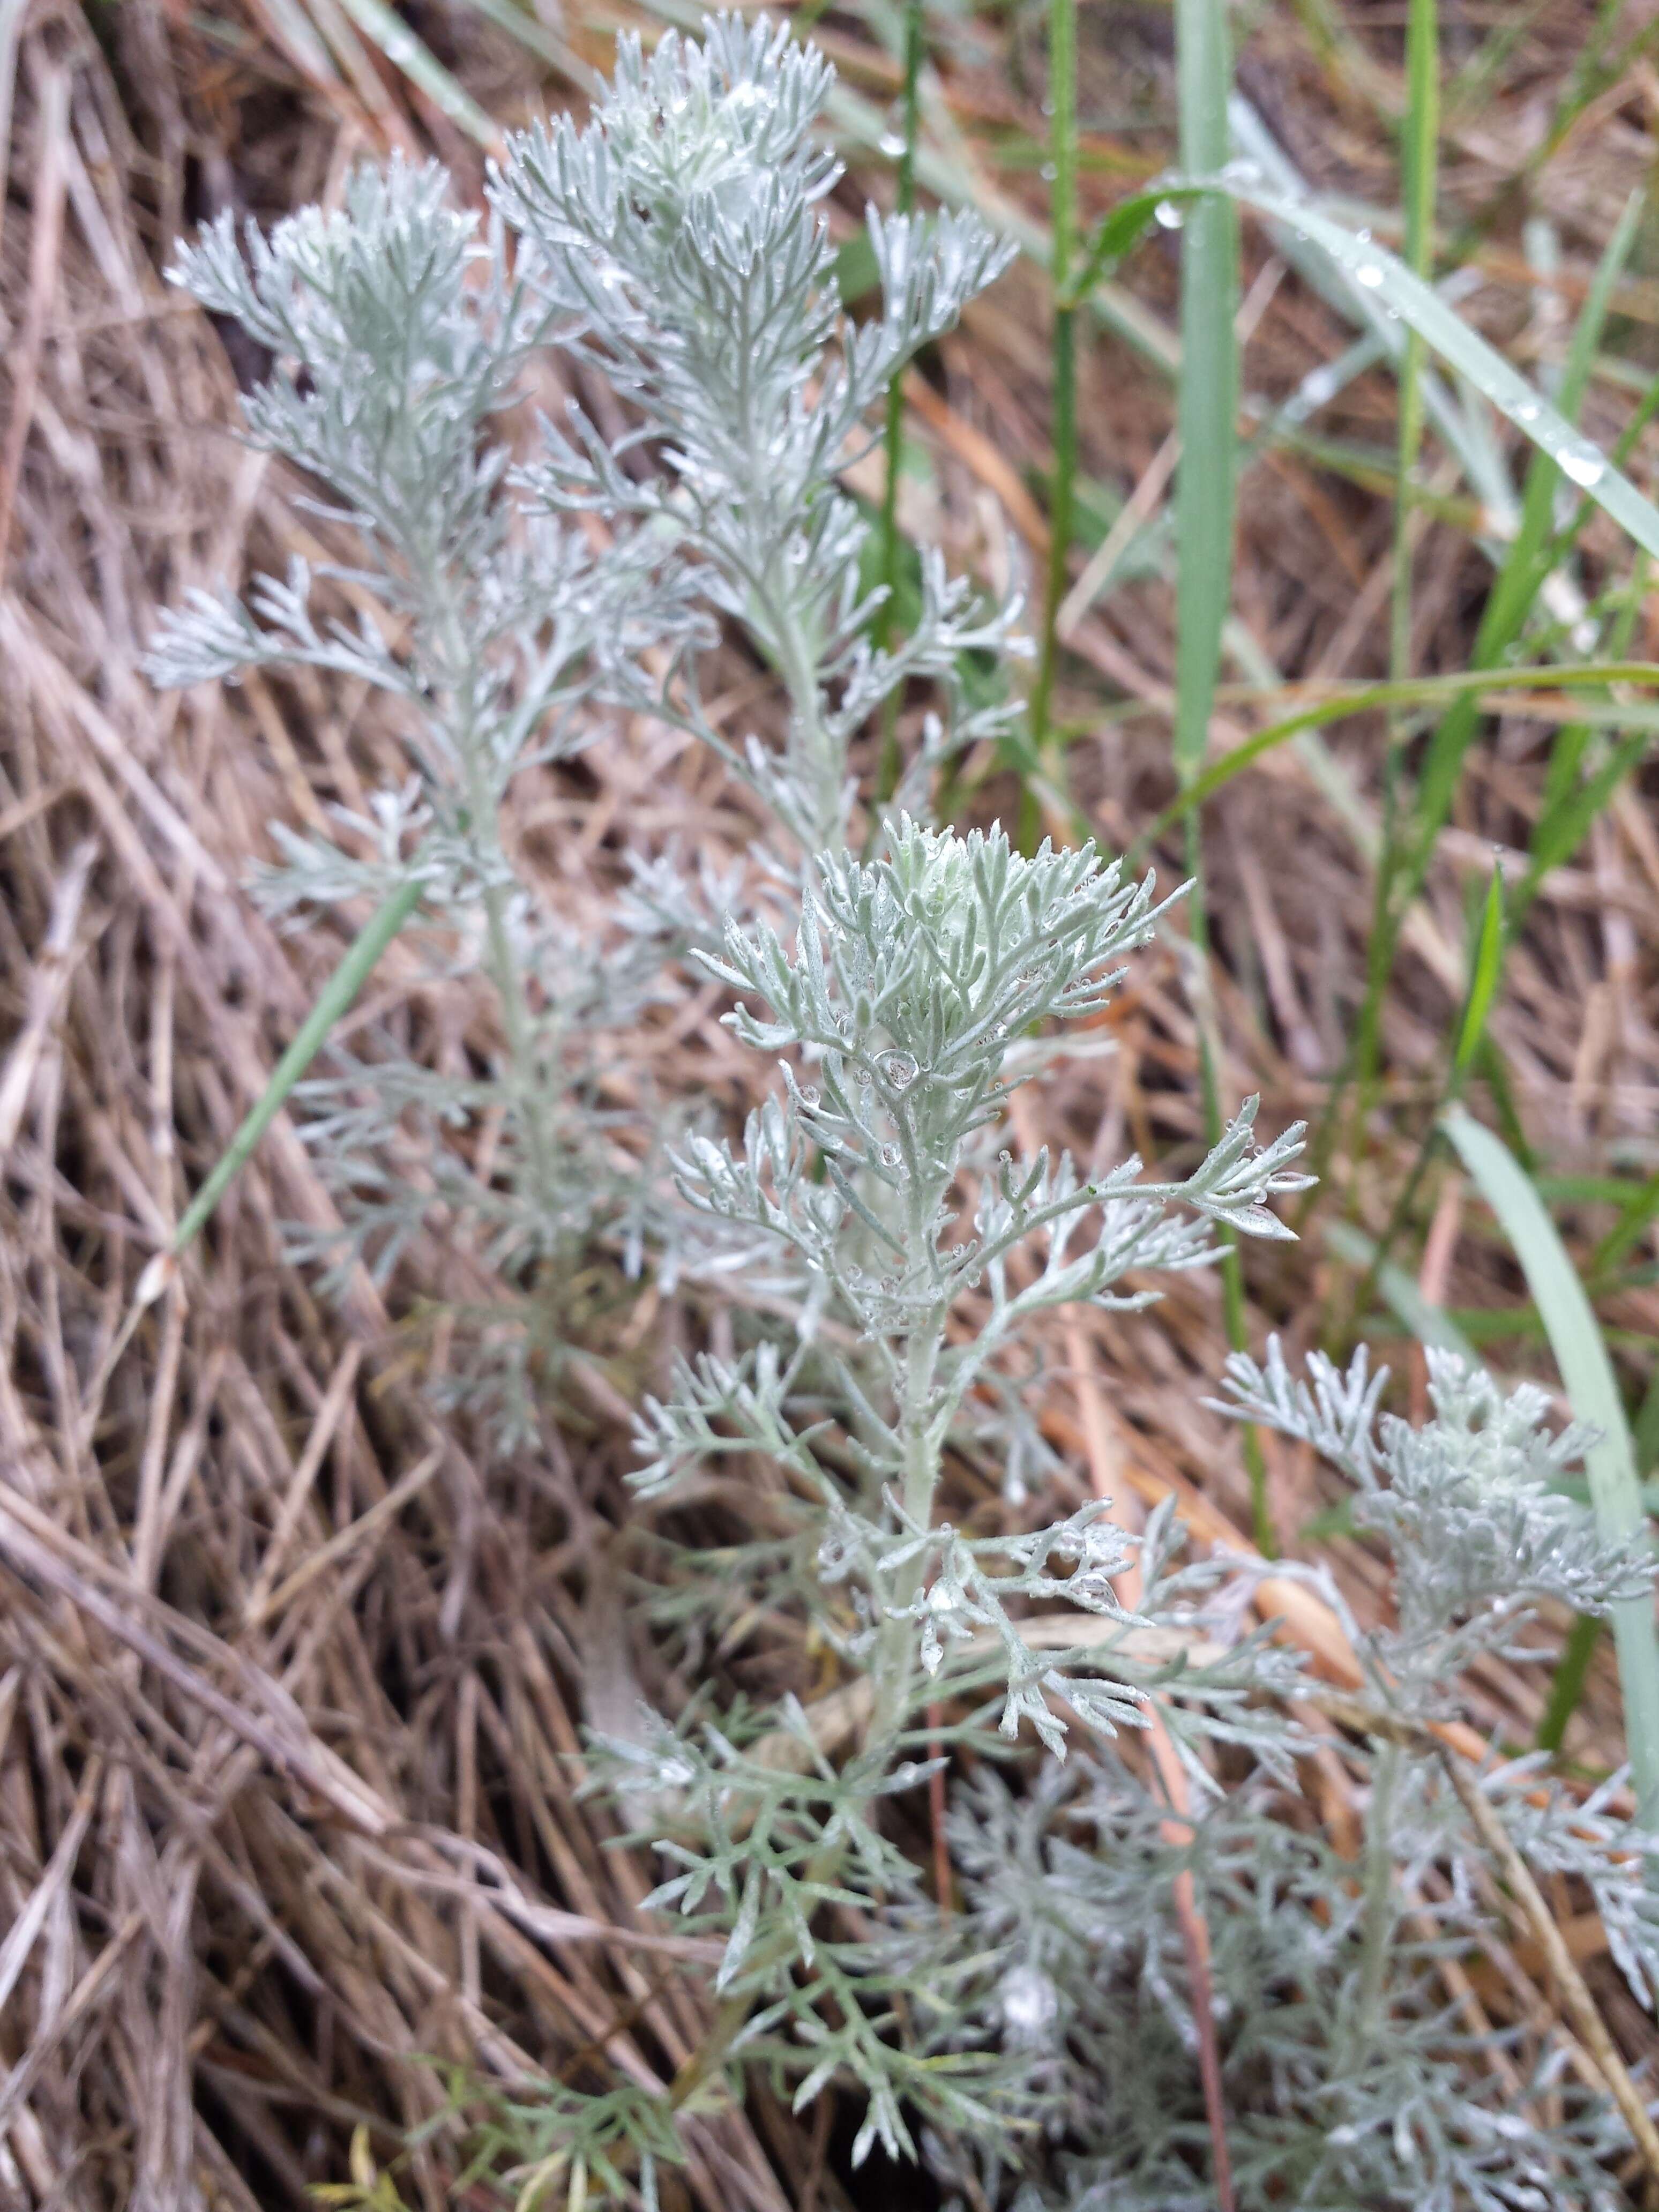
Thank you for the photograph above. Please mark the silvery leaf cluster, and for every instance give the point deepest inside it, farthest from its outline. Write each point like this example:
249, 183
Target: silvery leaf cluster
680, 240
1467, 1504
910, 976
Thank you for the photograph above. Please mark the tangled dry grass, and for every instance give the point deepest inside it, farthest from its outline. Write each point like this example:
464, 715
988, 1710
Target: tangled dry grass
291, 1681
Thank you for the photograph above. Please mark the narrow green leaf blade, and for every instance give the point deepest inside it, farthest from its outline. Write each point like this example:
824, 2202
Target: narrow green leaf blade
1420, 308
333, 1000
1587, 1375
1207, 412
1484, 971
401, 47
1429, 1323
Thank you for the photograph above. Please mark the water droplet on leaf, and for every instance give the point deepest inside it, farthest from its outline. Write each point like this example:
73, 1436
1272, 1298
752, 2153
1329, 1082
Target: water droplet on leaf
1030, 2004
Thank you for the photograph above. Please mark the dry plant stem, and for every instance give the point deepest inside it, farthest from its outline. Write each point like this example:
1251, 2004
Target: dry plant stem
25, 364
48, 985
26, 1554
1580, 2005
1105, 1472
937, 1805
1577, 2000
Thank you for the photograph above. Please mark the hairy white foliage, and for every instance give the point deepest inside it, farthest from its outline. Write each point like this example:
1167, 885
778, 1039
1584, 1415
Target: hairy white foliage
1349, 2076
909, 976
682, 230
1477, 1536
676, 245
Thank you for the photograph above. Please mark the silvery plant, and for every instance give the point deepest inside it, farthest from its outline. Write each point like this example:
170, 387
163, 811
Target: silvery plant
676, 250
1358, 2068
684, 228
890, 1264
915, 1256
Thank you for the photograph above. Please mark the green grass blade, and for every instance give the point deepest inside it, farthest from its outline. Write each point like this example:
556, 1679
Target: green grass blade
1564, 827
1586, 1376
1567, 1683
336, 996
1422, 309
1570, 807
1062, 215
1419, 164
1429, 1323
388, 31
1207, 491
1362, 698
1528, 560
1636, 1215
1208, 414
1486, 966
1420, 151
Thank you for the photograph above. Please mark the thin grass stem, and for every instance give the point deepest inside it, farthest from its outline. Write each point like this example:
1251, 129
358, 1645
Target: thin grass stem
1062, 218
1420, 153
1206, 495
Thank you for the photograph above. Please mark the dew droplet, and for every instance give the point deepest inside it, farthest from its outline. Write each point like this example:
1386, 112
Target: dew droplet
1369, 274
898, 1070
1049, 172
1030, 2004
1583, 466
892, 145
1526, 411
890, 1156
1167, 214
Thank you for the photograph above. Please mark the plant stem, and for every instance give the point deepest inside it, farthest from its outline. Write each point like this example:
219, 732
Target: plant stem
1062, 215
896, 1644
1420, 158
1567, 1684
1378, 1925
332, 1002
888, 774
1205, 492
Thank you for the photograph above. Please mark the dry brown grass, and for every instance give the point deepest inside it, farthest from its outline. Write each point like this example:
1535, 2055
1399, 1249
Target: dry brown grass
291, 1683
